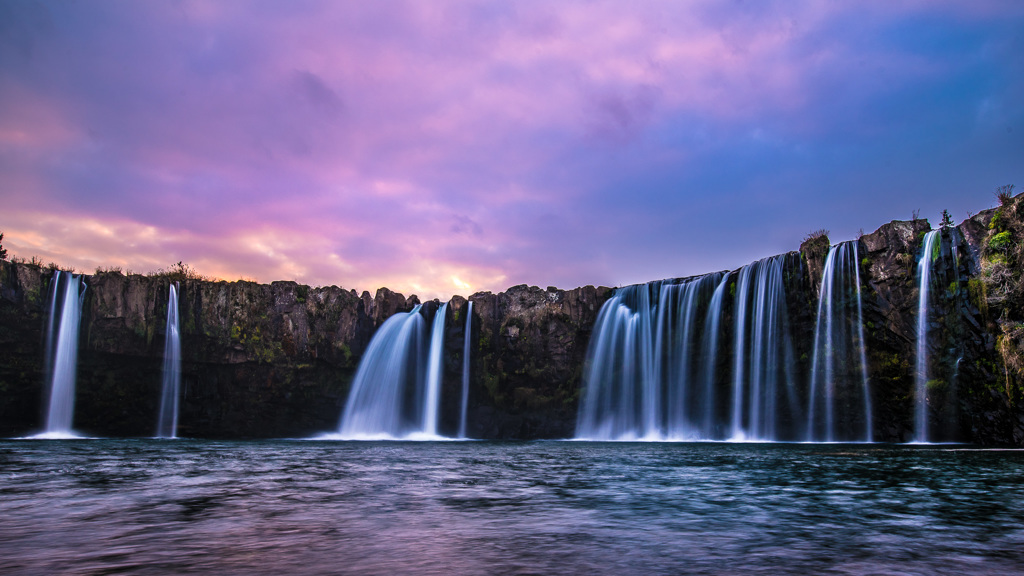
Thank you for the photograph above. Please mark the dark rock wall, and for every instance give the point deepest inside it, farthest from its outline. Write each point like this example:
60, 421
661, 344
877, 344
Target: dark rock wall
276, 360
528, 363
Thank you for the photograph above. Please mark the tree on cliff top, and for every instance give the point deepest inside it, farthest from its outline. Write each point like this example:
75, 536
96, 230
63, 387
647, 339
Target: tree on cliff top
3, 251
947, 220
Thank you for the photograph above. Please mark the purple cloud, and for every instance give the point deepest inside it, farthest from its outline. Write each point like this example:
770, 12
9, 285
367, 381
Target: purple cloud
448, 147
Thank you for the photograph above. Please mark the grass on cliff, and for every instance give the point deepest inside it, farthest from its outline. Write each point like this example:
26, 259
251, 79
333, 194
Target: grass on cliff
36, 262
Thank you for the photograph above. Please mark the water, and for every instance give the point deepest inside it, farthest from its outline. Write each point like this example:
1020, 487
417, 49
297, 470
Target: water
645, 375
709, 344
618, 380
375, 402
924, 272
653, 363
763, 365
678, 348
435, 366
167, 424
62, 352
464, 405
840, 401
396, 392
305, 507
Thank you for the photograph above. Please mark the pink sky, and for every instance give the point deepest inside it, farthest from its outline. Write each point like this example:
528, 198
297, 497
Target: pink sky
442, 148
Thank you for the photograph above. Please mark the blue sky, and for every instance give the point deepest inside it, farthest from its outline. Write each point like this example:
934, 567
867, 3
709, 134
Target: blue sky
441, 148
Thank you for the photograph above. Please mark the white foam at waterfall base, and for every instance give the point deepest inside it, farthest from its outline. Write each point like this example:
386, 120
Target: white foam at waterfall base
56, 436
410, 437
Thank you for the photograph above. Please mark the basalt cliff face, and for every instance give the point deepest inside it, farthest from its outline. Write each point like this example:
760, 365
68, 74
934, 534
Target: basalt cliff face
277, 360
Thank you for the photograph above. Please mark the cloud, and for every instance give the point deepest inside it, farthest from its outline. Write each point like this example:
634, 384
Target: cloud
315, 91
464, 225
409, 144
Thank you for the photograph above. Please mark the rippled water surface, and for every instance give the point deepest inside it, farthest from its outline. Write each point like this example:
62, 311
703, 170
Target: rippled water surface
305, 507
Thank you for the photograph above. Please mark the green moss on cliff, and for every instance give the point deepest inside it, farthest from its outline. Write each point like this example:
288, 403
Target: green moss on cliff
256, 346
1000, 242
491, 384
1001, 290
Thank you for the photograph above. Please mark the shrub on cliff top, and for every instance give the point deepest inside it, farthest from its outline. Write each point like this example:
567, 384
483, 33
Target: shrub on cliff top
1004, 194
3, 251
816, 234
179, 272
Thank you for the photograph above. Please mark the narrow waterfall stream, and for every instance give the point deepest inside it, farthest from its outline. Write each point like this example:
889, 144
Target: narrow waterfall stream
67, 298
929, 254
167, 424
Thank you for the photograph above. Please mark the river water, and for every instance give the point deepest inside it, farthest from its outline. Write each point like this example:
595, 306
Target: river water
320, 507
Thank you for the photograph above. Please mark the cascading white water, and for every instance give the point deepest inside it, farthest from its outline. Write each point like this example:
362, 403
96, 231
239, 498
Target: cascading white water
465, 370
62, 352
763, 352
677, 347
396, 390
167, 424
710, 347
609, 409
869, 416
739, 363
375, 402
52, 321
435, 368
643, 363
839, 377
640, 347
924, 272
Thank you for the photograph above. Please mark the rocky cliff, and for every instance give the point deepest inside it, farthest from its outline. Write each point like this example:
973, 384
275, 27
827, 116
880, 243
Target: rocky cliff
277, 360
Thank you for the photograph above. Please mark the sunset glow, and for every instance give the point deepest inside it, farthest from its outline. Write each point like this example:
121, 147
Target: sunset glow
439, 148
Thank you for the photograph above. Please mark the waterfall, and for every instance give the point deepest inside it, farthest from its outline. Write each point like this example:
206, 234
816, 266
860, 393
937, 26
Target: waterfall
740, 332
465, 370
435, 367
68, 297
677, 348
52, 322
710, 347
396, 390
374, 406
167, 425
839, 377
869, 416
644, 362
609, 409
763, 352
924, 271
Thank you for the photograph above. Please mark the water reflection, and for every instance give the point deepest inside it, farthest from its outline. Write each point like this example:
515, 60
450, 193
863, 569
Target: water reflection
146, 506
